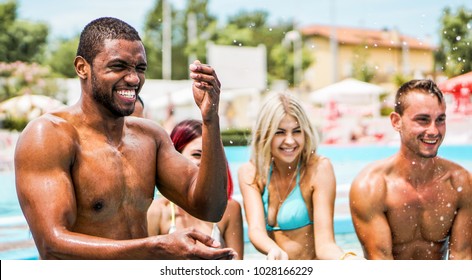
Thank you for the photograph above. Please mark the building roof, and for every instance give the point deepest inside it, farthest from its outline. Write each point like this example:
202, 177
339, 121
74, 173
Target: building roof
371, 37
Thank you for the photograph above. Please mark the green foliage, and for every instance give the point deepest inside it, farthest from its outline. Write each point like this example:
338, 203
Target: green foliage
454, 55
61, 59
385, 111
13, 123
252, 29
283, 65
242, 29
181, 47
361, 70
236, 137
20, 40
399, 79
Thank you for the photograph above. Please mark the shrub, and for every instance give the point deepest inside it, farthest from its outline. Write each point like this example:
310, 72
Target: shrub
12, 123
236, 137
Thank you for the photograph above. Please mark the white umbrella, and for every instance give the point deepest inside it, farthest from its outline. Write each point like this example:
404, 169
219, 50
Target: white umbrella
347, 91
29, 106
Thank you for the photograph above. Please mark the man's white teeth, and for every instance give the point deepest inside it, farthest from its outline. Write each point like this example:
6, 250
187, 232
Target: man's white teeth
127, 93
430, 141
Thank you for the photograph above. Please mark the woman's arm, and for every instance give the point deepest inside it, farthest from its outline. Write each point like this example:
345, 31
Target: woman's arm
255, 214
324, 194
233, 231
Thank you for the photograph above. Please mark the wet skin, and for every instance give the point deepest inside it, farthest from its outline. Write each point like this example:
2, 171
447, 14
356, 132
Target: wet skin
412, 204
86, 174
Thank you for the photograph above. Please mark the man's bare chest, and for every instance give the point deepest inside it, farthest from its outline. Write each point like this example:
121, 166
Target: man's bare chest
421, 213
107, 178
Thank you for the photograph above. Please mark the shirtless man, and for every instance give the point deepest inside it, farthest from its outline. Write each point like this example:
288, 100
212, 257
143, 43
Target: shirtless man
86, 174
415, 205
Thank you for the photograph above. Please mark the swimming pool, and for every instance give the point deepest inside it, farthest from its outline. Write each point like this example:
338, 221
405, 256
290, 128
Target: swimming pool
347, 162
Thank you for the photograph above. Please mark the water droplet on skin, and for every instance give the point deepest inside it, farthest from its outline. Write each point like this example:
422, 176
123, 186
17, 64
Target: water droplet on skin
449, 205
413, 162
441, 218
432, 245
459, 189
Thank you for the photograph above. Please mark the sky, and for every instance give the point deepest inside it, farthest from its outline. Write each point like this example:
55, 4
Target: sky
417, 18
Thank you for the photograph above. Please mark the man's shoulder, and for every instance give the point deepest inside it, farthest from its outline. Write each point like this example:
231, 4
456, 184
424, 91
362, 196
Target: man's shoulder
49, 124
450, 165
376, 169
144, 125
459, 175
372, 178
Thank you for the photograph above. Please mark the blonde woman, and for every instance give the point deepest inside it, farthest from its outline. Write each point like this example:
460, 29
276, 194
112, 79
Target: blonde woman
288, 190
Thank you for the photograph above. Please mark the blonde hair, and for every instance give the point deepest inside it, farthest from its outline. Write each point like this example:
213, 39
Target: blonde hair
273, 110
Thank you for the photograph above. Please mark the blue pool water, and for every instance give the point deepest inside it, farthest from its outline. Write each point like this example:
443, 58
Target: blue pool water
347, 162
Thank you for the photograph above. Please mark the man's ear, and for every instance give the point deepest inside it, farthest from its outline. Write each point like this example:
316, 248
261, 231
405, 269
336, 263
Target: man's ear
82, 68
396, 120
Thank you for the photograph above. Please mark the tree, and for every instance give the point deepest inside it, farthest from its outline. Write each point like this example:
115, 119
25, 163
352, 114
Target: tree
181, 47
61, 58
361, 70
251, 29
152, 40
454, 55
242, 29
20, 40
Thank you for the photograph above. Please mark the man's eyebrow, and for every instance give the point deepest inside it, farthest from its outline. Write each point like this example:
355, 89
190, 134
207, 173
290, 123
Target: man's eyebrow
422, 115
124, 62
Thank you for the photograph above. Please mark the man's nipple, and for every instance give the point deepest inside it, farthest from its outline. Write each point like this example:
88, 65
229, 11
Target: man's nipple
98, 205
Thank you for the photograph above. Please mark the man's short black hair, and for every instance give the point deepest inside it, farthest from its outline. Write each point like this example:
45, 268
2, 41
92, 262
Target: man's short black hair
98, 30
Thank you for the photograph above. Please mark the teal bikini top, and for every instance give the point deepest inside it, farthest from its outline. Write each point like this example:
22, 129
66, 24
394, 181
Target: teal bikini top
293, 213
